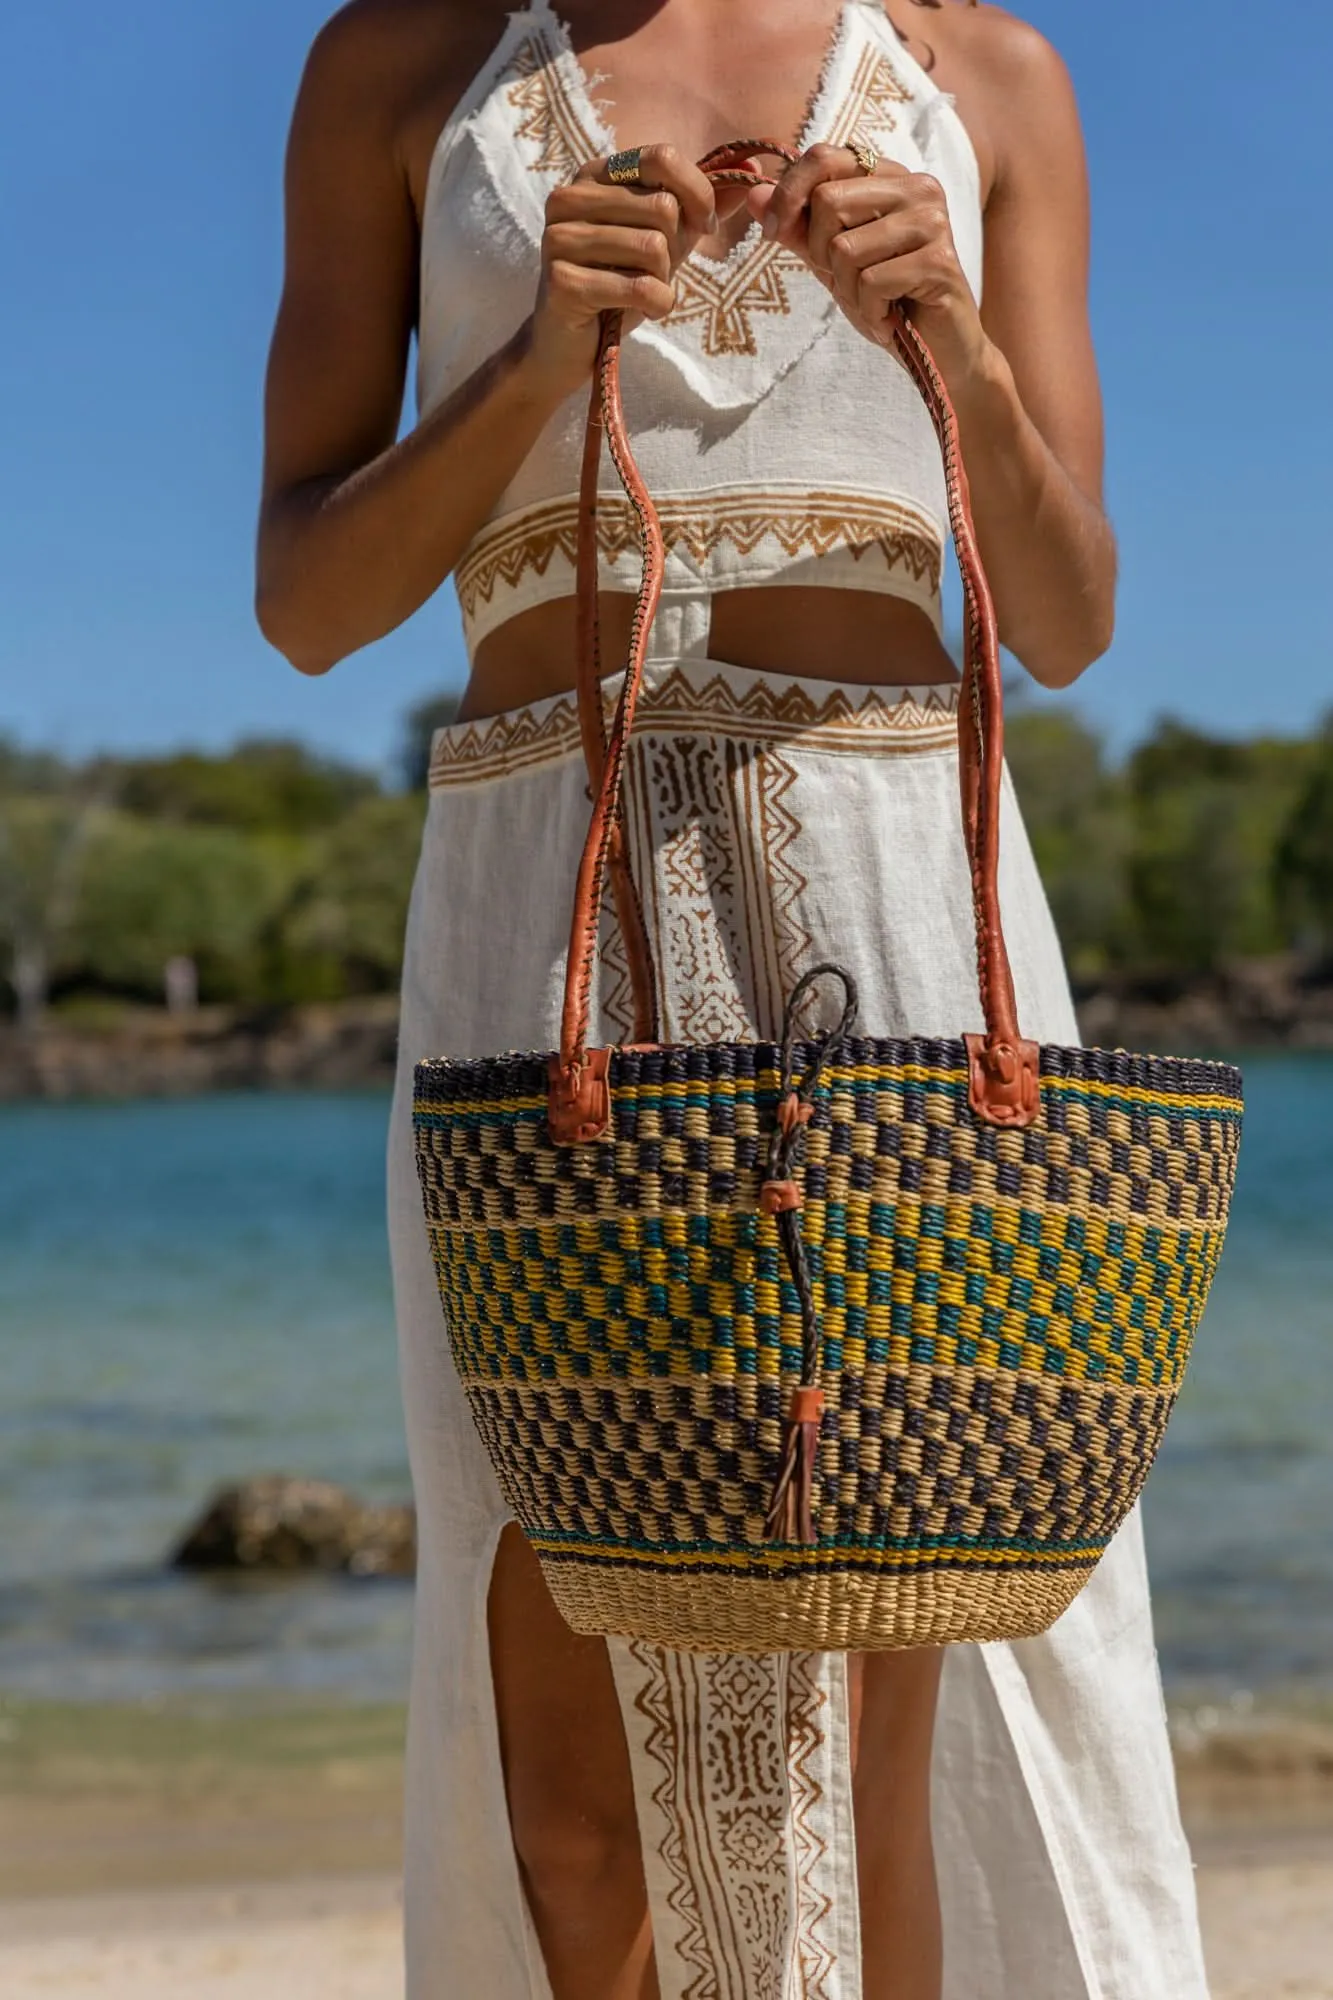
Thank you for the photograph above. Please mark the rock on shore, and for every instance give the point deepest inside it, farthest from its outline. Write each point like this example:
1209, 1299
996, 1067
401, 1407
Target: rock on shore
278, 1524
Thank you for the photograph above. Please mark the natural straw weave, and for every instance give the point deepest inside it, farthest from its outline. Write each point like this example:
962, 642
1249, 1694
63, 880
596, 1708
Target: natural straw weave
1006, 1320
1005, 1252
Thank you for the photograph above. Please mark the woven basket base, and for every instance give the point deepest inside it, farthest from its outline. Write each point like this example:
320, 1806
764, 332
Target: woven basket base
814, 1614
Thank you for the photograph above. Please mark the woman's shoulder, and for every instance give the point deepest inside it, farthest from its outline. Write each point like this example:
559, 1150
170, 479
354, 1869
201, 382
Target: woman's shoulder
1003, 46
1009, 80
401, 66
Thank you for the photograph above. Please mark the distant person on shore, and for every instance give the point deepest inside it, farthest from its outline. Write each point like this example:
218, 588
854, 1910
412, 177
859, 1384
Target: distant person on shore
180, 983
609, 1821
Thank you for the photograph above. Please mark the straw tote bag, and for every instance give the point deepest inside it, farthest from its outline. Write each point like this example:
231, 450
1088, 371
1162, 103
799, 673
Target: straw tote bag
826, 1345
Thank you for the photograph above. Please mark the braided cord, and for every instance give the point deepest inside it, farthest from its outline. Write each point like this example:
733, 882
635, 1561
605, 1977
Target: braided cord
786, 1147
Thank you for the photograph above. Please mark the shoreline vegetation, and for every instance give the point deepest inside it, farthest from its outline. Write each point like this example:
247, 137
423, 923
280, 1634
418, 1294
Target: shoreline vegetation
191, 921
119, 1049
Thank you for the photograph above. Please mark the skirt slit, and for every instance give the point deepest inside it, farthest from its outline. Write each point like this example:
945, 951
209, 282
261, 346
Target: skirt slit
773, 821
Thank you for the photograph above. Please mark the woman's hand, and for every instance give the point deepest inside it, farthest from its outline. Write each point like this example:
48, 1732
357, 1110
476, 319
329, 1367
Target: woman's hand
609, 245
879, 240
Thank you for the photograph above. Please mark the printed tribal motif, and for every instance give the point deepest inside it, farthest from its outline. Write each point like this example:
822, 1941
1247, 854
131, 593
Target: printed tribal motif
723, 297
868, 109
695, 527
616, 997
847, 721
720, 296
740, 1838
548, 116
722, 898
712, 832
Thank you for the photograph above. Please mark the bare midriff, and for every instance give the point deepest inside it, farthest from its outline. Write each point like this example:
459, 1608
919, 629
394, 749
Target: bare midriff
833, 635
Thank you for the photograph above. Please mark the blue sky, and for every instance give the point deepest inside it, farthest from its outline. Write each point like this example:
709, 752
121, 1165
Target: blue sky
140, 158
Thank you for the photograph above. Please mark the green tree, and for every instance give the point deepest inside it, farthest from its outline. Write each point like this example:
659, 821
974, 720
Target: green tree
1303, 861
1208, 814
342, 928
1077, 817
419, 726
259, 787
49, 813
152, 891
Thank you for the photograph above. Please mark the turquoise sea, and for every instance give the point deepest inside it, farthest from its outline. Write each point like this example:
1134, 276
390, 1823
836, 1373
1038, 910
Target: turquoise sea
195, 1291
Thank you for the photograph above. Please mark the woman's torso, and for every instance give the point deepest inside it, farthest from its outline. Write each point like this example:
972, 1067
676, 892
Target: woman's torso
743, 69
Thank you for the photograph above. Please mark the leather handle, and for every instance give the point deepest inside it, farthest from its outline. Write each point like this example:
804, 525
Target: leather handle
1003, 1067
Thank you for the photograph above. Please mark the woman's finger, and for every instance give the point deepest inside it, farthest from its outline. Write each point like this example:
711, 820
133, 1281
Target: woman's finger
591, 291
609, 248
784, 214
926, 277
877, 243
666, 168
603, 204
839, 206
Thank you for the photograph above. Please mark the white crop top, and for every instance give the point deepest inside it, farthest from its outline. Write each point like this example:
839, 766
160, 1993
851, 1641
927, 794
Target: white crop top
780, 446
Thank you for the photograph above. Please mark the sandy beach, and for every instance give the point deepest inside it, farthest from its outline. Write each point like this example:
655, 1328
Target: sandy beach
1268, 1929
1268, 1926
335, 1939
149, 1854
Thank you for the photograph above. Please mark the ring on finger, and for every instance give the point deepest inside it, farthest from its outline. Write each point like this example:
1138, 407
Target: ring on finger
625, 169
867, 159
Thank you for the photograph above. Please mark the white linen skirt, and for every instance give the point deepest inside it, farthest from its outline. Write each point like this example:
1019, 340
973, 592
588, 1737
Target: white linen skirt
774, 821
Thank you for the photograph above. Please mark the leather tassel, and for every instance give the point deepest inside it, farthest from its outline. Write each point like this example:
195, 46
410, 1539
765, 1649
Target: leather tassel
791, 1510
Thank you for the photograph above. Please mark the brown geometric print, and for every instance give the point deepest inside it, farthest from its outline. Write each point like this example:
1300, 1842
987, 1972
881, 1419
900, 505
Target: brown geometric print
870, 107
723, 297
783, 710
548, 115
808, 1749
616, 990
732, 1768
684, 814
696, 526
713, 834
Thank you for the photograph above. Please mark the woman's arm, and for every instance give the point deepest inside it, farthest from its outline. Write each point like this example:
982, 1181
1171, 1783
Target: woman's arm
357, 531
1021, 372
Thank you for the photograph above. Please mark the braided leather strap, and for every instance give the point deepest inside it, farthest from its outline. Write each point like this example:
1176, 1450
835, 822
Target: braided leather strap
1003, 1066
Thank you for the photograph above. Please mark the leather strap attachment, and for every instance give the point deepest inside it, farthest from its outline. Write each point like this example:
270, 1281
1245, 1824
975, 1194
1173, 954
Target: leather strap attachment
579, 1098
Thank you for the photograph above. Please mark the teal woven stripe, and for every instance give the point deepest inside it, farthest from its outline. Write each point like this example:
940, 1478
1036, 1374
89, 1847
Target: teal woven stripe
1028, 1339
830, 1546
702, 1099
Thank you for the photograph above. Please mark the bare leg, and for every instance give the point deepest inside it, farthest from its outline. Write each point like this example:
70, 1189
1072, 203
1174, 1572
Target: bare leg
571, 1796
571, 1802
893, 1703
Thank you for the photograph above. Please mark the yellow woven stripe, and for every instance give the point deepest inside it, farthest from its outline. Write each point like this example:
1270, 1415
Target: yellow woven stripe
787, 1559
493, 1316
767, 1080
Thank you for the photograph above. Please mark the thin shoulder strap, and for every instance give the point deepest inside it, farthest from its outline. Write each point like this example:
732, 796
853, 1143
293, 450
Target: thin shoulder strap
518, 26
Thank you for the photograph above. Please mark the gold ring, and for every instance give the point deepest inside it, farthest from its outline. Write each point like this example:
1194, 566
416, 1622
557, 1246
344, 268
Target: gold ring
867, 159
624, 168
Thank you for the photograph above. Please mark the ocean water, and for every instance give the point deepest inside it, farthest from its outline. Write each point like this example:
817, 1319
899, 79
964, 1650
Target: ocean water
194, 1292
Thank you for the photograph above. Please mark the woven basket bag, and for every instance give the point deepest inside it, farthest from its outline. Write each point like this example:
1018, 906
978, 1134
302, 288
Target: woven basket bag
817, 1345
